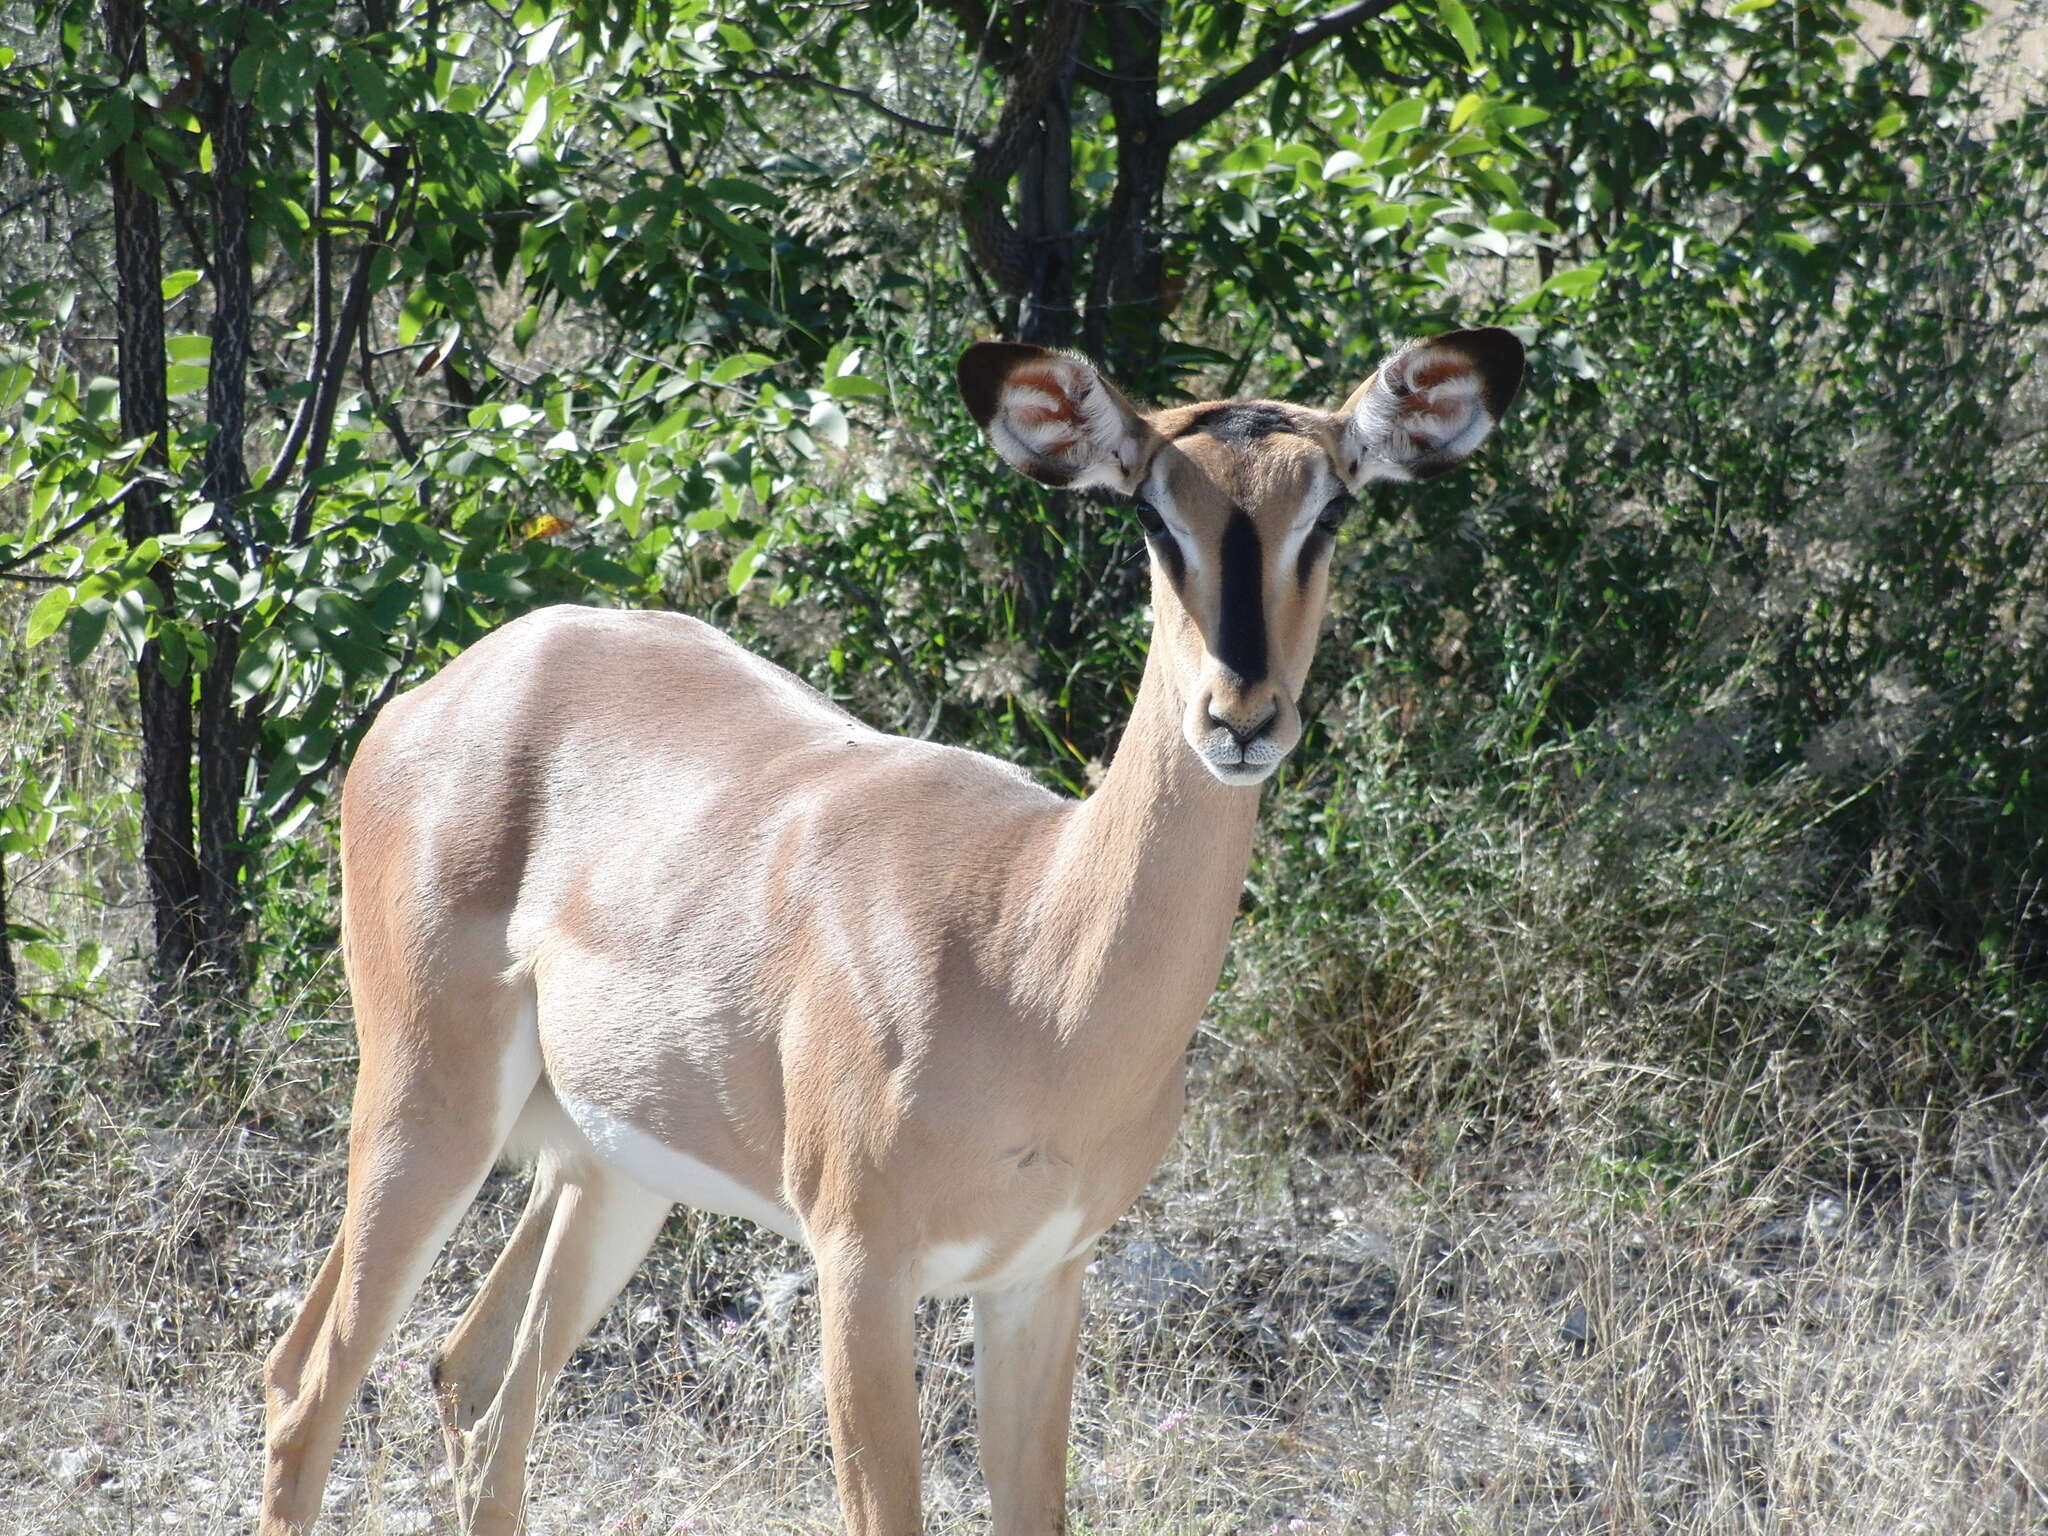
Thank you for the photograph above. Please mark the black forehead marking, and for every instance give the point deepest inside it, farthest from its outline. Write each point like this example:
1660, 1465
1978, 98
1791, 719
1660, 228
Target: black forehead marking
1240, 425
1241, 623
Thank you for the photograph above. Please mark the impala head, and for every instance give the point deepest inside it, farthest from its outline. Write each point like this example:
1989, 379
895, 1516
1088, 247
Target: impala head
1240, 502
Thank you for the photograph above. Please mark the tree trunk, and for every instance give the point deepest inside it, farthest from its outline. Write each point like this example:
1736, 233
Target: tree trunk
1045, 215
224, 736
1126, 290
1031, 259
164, 706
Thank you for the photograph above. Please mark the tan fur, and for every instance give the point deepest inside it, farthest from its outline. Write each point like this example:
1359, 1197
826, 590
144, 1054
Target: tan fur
611, 864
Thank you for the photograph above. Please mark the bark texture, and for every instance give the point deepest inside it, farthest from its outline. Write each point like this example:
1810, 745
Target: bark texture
164, 705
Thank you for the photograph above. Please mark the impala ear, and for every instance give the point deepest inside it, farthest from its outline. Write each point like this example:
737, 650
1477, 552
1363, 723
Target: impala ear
1053, 416
1428, 406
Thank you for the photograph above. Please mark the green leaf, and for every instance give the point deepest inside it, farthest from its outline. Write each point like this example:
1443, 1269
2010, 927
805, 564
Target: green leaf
741, 193
535, 122
850, 386
739, 365
542, 43
172, 654
48, 614
743, 568
1401, 116
175, 283
242, 73
1578, 281
88, 623
670, 426
1459, 20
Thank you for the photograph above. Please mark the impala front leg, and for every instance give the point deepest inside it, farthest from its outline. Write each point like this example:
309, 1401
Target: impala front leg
868, 1308
1024, 1344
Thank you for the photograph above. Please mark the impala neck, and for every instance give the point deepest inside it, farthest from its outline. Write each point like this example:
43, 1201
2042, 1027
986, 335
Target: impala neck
1144, 882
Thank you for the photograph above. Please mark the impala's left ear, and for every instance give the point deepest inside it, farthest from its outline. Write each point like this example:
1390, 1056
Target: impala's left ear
1053, 416
1429, 406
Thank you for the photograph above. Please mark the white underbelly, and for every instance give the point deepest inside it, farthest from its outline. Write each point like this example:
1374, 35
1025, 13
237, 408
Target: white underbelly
661, 1169
944, 1269
951, 1269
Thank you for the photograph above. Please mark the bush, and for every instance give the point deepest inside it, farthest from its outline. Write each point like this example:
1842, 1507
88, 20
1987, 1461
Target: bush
1693, 769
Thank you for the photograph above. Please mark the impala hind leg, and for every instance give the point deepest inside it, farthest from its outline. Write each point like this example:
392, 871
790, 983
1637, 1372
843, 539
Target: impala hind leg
583, 1233
416, 1158
472, 1359
868, 1309
1024, 1344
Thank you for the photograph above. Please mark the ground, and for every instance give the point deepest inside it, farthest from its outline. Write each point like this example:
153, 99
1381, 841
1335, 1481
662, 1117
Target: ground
1454, 1330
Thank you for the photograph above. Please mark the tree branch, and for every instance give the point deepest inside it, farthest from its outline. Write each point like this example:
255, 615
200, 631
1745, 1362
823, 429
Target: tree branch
91, 514
323, 288
978, 26
1248, 77
387, 412
355, 306
795, 77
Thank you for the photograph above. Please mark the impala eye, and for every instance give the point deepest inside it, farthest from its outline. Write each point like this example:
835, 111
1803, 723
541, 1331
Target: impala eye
1149, 518
1335, 510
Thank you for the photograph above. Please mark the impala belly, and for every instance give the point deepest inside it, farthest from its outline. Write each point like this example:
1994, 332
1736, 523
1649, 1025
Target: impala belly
661, 1169
957, 1268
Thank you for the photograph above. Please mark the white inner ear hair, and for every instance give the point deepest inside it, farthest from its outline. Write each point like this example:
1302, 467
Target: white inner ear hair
1424, 404
1057, 413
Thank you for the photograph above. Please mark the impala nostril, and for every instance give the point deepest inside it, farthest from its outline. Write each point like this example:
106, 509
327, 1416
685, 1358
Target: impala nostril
1245, 735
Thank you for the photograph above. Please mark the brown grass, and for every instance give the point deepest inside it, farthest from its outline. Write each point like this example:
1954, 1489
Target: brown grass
1454, 1332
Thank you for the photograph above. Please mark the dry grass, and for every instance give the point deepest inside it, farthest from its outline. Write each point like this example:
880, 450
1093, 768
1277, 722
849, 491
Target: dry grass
1447, 1334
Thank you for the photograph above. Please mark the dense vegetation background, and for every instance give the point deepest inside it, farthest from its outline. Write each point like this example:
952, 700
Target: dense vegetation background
339, 333
1676, 812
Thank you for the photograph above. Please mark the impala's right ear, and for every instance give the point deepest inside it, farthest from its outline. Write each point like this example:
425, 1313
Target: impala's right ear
1431, 404
1053, 416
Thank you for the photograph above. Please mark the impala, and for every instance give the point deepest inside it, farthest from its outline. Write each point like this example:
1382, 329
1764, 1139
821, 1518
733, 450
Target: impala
632, 903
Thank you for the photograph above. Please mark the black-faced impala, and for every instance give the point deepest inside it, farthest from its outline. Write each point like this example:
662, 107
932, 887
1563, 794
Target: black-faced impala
632, 903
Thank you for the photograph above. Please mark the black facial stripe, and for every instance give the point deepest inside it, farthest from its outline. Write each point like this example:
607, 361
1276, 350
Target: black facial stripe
1239, 425
1313, 544
1241, 625
1167, 547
